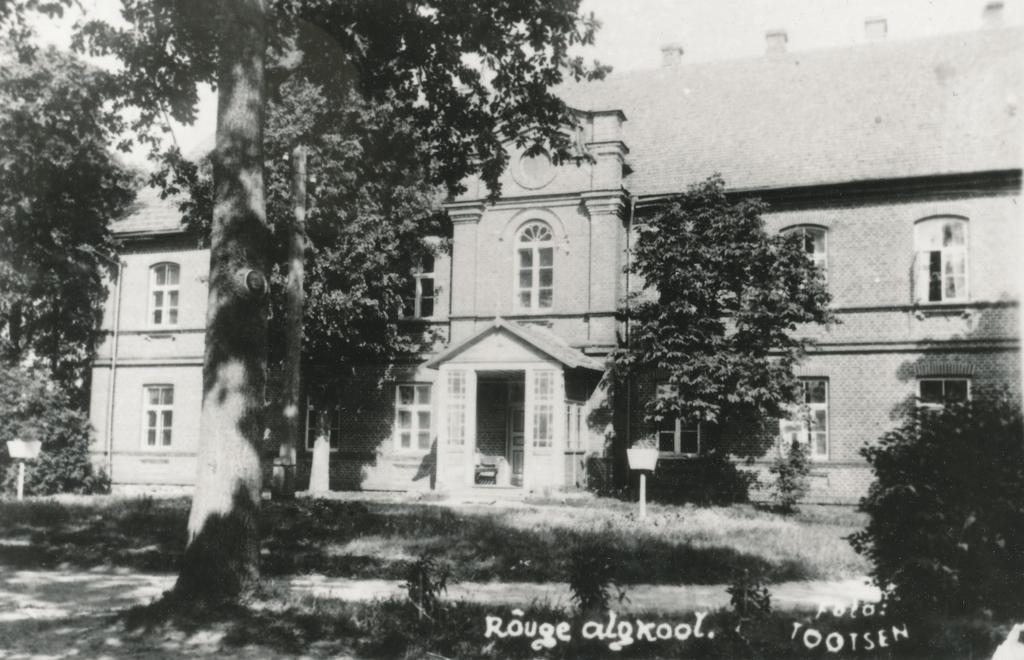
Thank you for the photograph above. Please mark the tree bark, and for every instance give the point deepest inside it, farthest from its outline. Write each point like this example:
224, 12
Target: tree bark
284, 466
221, 561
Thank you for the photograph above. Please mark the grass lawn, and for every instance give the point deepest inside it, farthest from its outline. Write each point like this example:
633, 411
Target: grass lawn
375, 539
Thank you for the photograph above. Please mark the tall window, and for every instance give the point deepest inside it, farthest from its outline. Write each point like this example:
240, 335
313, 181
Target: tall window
814, 243
163, 294
312, 420
158, 415
809, 422
535, 266
940, 246
574, 419
421, 303
936, 392
673, 437
543, 408
456, 412
412, 417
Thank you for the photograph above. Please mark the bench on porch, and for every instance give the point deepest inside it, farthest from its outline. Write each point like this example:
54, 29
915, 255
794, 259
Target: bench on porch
490, 470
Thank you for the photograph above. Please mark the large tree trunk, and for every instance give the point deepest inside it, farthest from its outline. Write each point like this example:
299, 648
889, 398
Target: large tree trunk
221, 559
284, 465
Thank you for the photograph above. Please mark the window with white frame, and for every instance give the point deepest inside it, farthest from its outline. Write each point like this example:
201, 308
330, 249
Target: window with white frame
940, 246
420, 305
937, 392
412, 417
574, 420
535, 267
815, 244
543, 408
163, 294
455, 392
312, 424
157, 415
674, 439
808, 423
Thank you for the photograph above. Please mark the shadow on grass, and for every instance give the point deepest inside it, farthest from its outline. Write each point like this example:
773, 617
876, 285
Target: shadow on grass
350, 539
280, 627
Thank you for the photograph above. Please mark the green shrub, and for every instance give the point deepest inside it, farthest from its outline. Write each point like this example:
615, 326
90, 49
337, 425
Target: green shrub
791, 469
32, 407
749, 598
946, 530
592, 569
425, 582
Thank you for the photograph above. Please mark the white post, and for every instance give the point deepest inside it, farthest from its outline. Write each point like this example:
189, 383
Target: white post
21, 480
643, 495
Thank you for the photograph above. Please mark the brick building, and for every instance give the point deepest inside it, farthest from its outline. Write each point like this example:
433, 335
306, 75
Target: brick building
899, 162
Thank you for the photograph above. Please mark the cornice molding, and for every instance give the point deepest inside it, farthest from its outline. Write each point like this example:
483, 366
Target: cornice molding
461, 212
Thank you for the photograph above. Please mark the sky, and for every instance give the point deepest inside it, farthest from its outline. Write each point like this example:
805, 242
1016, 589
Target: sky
633, 32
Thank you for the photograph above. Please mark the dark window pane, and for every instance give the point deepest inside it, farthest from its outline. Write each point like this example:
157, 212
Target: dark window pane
956, 390
931, 391
406, 394
667, 440
817, 391
545, 298
934, 276
427, 264
427, 307
689, 441
546, 257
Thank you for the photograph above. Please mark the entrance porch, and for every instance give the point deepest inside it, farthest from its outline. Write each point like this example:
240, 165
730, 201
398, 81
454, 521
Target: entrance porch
504, 418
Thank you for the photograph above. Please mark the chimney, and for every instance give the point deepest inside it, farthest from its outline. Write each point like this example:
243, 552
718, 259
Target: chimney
775, 41
671, 54
992, 16
875, 29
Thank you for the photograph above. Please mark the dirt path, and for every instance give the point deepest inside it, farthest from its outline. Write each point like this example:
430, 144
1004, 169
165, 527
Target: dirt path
59, 594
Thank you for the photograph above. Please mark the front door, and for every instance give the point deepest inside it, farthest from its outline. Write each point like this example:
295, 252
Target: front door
516, 433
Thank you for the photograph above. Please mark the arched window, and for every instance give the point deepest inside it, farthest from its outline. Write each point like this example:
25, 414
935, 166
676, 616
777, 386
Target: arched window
815, 244
163, 294
940, 247
535, 266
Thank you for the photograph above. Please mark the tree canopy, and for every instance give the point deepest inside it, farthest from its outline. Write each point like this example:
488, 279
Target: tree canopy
465, 78
720, 307
60, 186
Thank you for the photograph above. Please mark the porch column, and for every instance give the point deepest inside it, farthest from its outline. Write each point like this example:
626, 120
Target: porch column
544, 428
469, 457
456, 430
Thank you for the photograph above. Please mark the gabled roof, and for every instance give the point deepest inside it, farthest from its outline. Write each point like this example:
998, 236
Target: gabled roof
150, 215
540, 339
886, 110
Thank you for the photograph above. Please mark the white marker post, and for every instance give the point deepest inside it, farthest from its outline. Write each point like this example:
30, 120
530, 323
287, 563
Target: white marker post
21, 451
643, 459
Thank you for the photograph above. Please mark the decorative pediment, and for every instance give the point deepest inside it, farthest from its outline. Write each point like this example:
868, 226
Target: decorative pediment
505, 341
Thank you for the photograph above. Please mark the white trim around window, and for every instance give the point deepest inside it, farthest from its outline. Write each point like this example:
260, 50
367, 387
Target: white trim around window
534, 267
413, 430
674, 439
941, 260
420, 305
935, 392
157, 416
815, 244
334, 439
809, 421
164, 290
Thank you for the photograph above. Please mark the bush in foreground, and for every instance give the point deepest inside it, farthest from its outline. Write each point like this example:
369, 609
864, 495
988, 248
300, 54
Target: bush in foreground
946, 532
32, 407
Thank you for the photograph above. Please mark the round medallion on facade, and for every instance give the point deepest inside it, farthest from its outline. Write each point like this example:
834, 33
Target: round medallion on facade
534, 171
